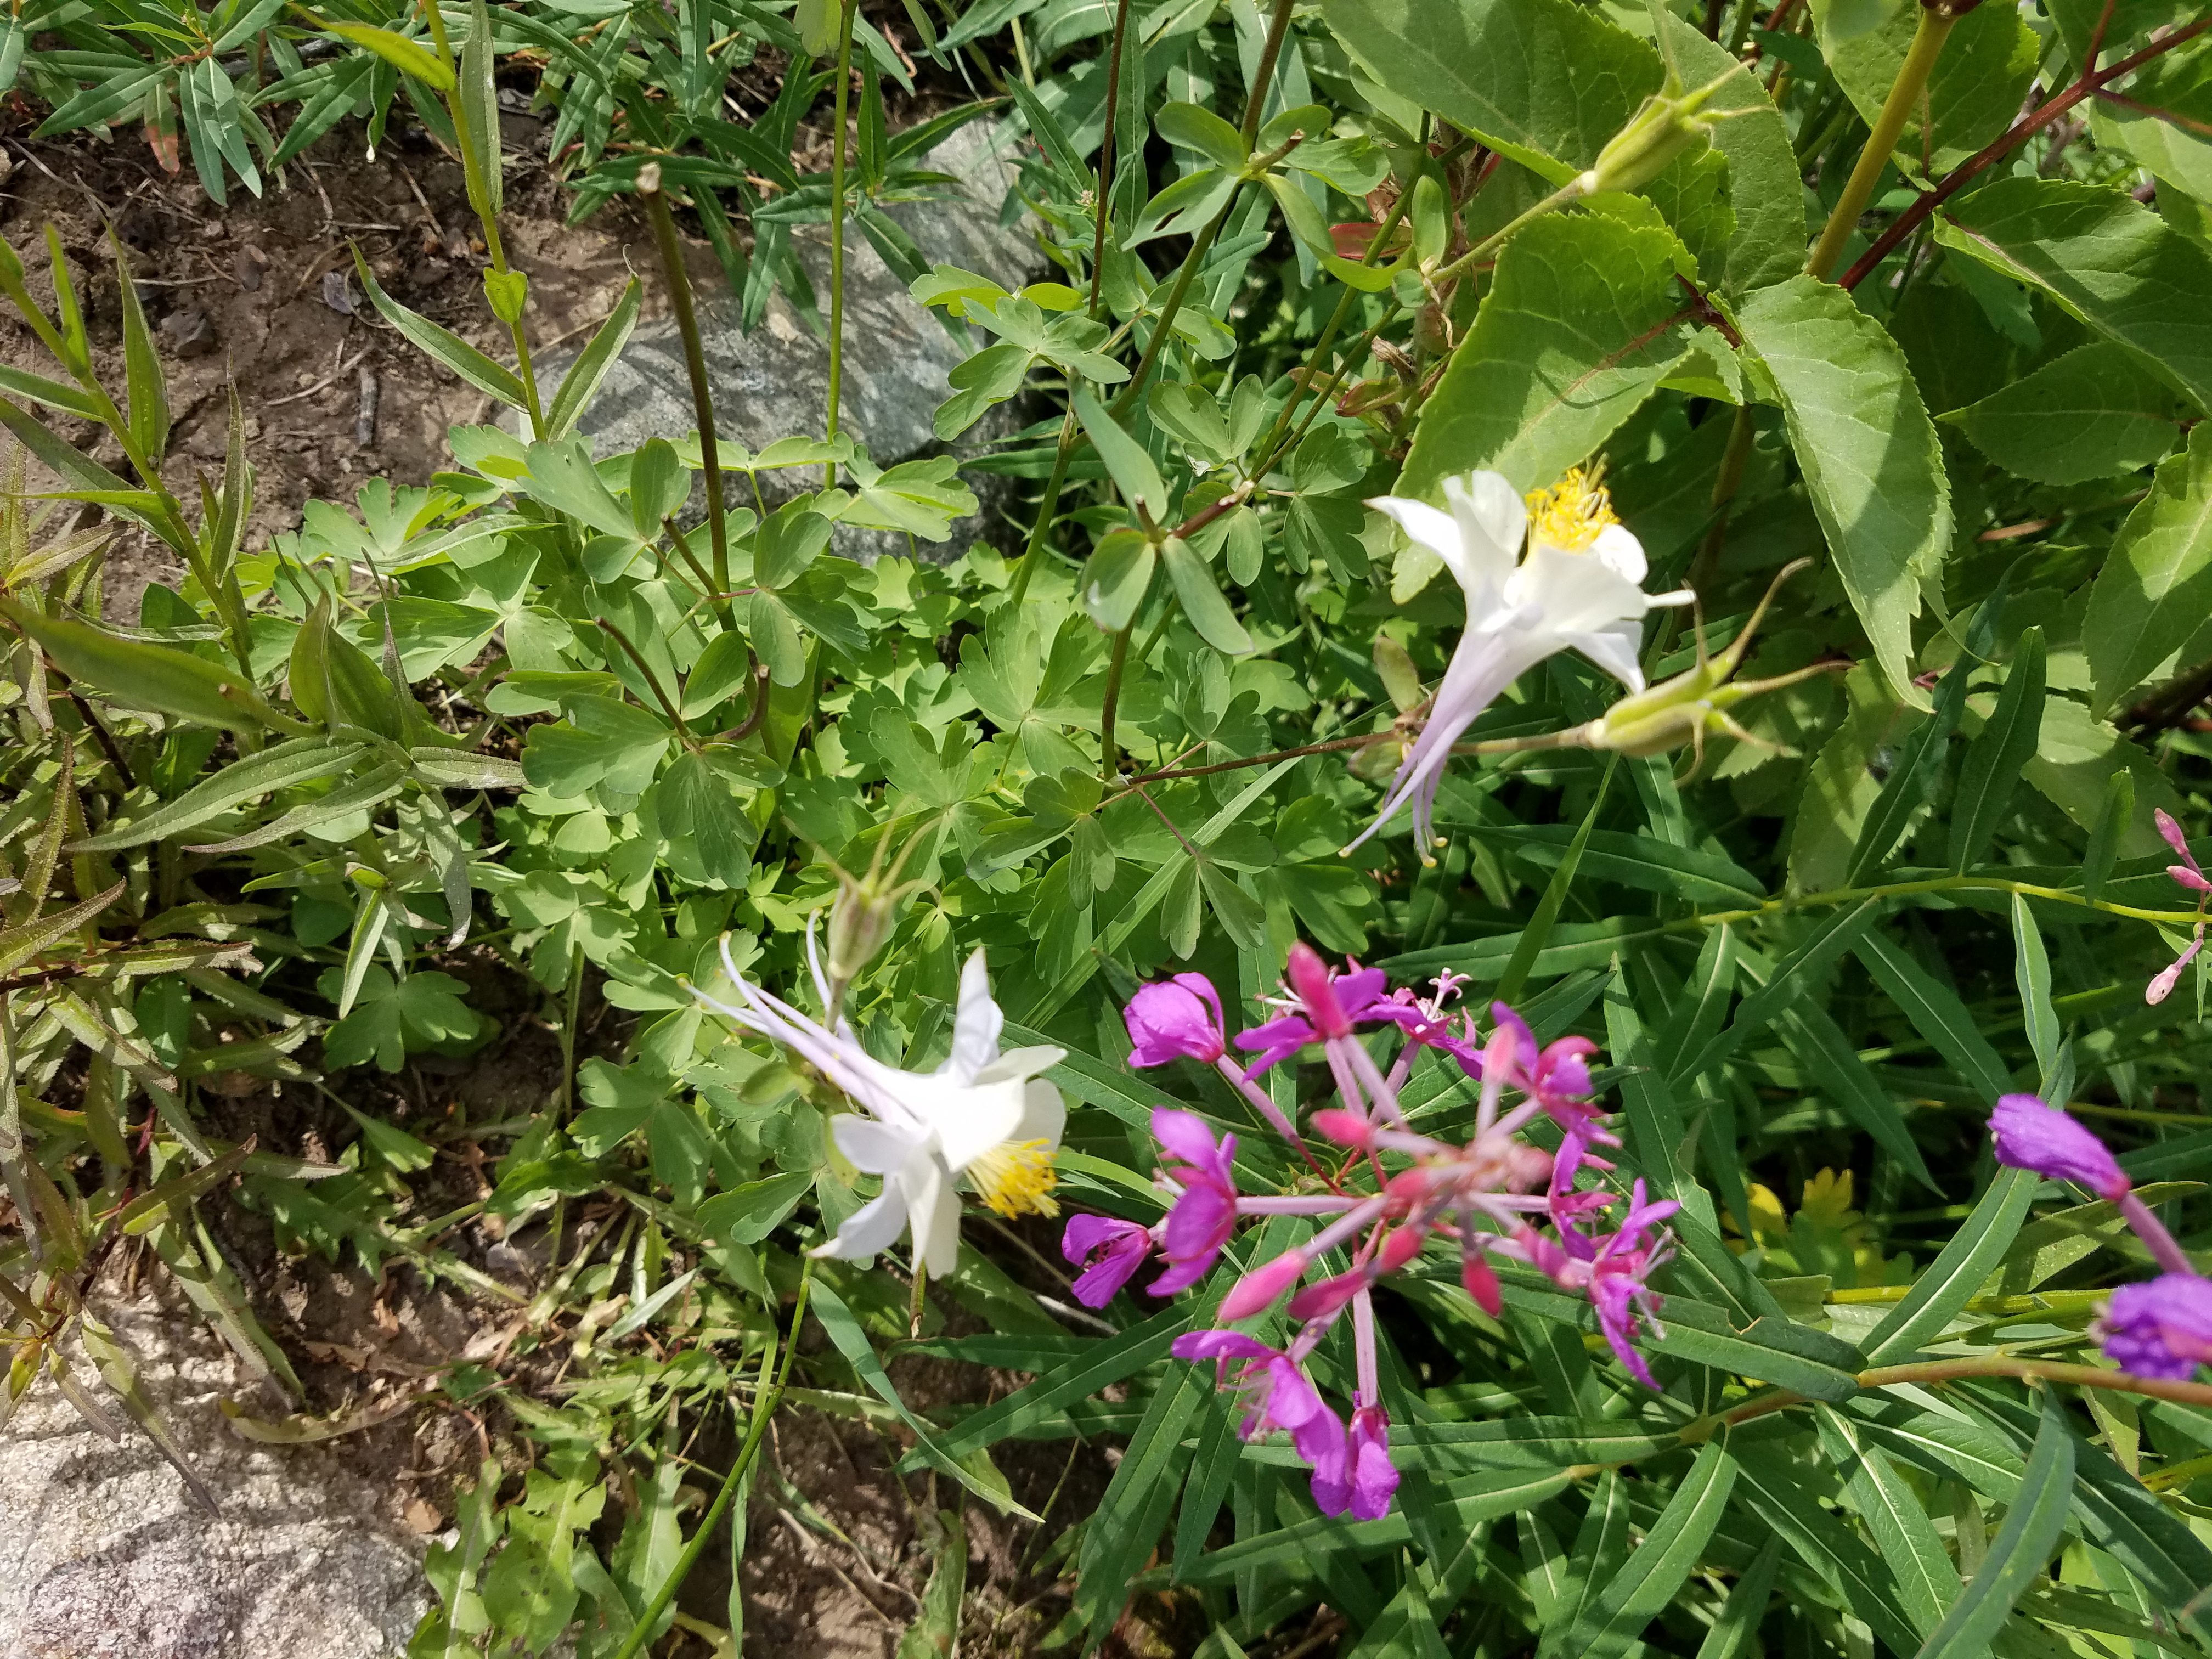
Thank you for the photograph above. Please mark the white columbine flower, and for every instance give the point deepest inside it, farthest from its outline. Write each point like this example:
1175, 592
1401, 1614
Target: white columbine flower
1577, 585
982, 1114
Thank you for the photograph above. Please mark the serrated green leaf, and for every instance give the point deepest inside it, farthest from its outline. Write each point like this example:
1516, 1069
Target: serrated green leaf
1871, 461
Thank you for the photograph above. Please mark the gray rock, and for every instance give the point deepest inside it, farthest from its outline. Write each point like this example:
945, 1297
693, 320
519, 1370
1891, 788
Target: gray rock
102, 1555
771, 383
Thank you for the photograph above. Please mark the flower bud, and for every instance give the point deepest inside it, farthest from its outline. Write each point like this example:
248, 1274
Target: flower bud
1257, 1290
1666, 125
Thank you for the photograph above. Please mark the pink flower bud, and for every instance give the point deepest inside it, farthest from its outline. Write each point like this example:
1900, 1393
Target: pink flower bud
1480, 1281
1257, 1290
1345, 1128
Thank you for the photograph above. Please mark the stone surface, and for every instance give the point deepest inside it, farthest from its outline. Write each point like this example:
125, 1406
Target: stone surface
102, 1555
771, 383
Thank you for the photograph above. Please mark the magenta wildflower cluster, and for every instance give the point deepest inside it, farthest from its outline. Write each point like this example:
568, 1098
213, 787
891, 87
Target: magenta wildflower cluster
2192, 876
2161, 1328
1389, 1190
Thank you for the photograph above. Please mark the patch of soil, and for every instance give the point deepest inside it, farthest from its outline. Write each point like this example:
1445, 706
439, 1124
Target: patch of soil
262, 296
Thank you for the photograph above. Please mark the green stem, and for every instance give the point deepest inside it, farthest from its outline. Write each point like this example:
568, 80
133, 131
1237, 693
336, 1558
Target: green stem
1108, 761
1934, 27
763, 1409
1270, 448
1574, 190
837, 231
1106, 150
1165, 323
2035, 1370
1254, 106
695, 364
1047, 509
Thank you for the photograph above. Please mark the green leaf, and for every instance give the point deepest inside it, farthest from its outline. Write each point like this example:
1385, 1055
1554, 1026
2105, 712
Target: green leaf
1193, 126
1906, 788
1834, 1067
935, 1631
1772, 1349
408, 57
1935, 1012
939, 1454
477, 98
1773, 1487
1572, 337
1131, 468
1102, 1363
1927, 1582
1869, 452
1202, 603
1765, 179
2022, 1547
1544, 82
1735, 1630
748, 1214
142, 365
1999, 753
283, 766
2119, 267
1657, 1568
1127, 1523
1531, 942
2095, 412
1957, 1272
2155, 586
1835, 934
142, 676
442, 343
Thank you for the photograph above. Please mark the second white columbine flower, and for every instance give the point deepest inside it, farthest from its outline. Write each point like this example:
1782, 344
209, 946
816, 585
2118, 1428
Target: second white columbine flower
1557, 572
983, 1113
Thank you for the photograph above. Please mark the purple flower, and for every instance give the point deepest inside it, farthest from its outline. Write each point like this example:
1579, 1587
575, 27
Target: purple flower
1614, 1271
1277, 1395
1374, 1479
1205, 1215
1328, 1006
1556, 1077
2161, 1328
1177, 1018
1107, 1250
2031, 1135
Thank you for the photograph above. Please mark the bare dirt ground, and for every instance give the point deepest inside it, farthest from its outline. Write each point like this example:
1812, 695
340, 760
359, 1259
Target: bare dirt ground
262, 296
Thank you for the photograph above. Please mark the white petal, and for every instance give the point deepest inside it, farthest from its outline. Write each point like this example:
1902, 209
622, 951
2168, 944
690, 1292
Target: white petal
876, 1148
1578, 592
1619, 552
1493, 521
1044, 1115
977, 1026
971, 1121
870, 1230
934, 1210
1017, 1063
1428, 525
1614, 649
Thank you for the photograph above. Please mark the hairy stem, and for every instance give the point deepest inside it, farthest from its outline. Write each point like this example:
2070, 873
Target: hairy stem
1905, 95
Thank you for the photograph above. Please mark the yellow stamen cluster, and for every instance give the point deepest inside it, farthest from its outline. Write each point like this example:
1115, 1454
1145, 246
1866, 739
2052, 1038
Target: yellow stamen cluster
1571, 514
1016, 1177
